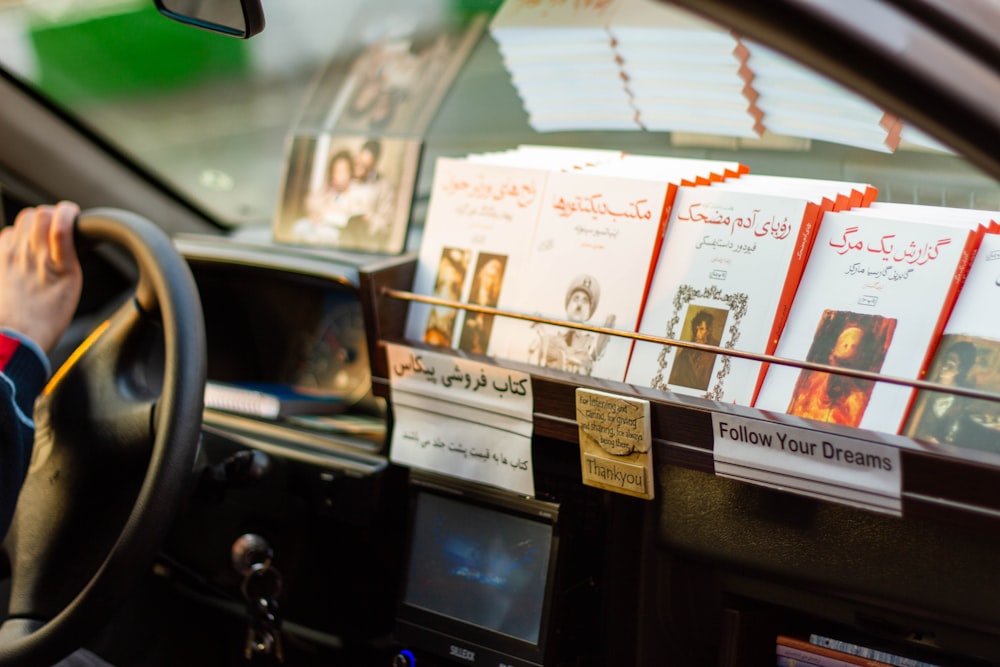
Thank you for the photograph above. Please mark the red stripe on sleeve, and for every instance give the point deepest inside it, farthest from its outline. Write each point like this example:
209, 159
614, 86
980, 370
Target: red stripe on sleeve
8, 346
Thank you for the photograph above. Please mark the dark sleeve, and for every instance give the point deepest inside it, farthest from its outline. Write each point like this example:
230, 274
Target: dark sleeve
23, 372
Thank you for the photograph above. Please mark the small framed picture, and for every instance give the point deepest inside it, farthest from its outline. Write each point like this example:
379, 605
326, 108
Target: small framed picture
348, 192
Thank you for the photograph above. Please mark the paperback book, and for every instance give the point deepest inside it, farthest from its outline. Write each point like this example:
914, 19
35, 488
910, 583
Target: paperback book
874, 297
967, 356
561, 61
731, 260
480, 221
589, 263
600, 231
681, 71
798, 102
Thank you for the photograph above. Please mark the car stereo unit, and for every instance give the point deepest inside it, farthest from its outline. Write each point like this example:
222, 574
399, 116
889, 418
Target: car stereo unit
481, 570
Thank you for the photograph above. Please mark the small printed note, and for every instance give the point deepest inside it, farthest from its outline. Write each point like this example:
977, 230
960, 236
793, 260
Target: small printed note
615, 442
462, 418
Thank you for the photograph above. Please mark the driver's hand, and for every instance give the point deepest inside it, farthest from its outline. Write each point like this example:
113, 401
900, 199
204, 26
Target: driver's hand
40, 275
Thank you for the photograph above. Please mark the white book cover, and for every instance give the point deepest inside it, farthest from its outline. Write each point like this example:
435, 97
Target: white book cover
573, 121
575, 94
650, 21
578, 87
567, 73
843, 194
671, 119
874, 297
967, 356
687, 85
550, 21
539, 52
615, 106
798, 102
479, 224
589, 263
727, 270
676, 170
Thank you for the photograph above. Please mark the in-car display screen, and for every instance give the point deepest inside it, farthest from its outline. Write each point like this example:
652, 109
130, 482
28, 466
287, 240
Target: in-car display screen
479, 565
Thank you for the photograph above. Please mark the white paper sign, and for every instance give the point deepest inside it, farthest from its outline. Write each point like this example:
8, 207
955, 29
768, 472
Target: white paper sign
461, 418
813, 463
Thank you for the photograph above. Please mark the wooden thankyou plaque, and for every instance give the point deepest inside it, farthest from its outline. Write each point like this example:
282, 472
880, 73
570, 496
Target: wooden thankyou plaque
615, 442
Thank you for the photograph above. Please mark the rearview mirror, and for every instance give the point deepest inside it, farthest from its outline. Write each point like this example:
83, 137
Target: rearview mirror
237, 18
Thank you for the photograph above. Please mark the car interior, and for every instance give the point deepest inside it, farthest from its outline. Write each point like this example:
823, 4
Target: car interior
154, 529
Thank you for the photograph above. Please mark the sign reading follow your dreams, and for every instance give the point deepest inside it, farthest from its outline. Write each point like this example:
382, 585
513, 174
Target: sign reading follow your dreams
813, 463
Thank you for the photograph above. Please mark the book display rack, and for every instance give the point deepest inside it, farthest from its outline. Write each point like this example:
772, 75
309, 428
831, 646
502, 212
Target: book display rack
935, 484
818, 555
758, 524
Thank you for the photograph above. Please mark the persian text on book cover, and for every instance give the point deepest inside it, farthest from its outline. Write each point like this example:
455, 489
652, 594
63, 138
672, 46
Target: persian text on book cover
589, 263
729, 261
967, 356
479, 224
874, 297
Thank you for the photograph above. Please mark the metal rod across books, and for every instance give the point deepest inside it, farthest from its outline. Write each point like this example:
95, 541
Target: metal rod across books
764, 358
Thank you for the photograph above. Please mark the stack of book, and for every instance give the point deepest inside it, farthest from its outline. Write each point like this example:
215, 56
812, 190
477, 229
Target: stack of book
730, 264
682, 72
623, 65
711, 260
569, 239
561, 62
646, 65
798, 102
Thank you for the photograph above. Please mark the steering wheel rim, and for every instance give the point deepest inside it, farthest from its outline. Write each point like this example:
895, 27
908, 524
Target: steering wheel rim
120, 406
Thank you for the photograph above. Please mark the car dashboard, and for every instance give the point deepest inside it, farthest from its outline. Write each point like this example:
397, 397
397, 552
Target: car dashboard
708, 571
330, 508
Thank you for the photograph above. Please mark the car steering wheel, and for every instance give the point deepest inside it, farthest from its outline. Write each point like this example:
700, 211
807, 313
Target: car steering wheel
117, 431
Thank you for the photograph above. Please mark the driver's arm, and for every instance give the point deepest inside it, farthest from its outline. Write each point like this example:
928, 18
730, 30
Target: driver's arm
40, 283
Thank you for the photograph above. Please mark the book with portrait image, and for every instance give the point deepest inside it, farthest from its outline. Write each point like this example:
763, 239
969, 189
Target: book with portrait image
592, 254
349, 192
731, 260
968, 356
479, 224
874, 296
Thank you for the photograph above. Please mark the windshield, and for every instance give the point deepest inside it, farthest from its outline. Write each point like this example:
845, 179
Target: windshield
219, 119
206, 113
